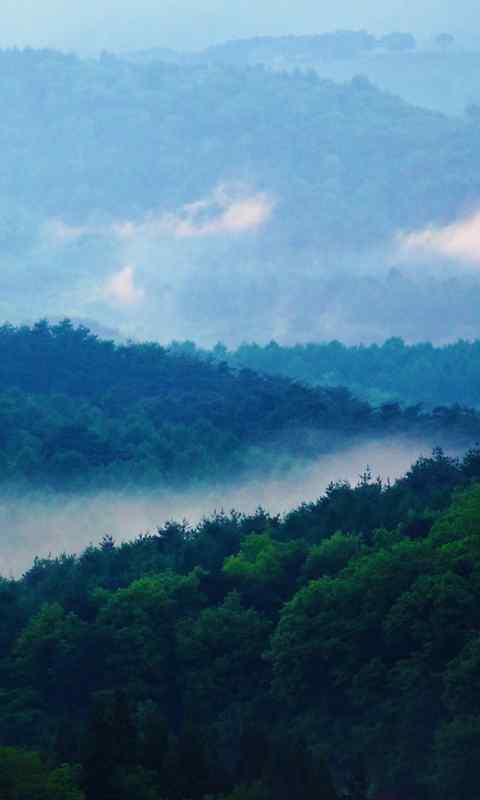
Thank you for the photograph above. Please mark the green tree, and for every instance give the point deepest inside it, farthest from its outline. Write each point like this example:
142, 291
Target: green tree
25, 776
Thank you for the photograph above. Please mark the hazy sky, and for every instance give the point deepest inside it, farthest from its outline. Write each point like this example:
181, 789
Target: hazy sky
119, 24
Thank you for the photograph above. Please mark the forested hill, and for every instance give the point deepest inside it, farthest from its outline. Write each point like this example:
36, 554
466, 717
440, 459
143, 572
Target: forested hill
253, 658
206, 201
123, 139
393, 371
76, 410
284, 50
441, 74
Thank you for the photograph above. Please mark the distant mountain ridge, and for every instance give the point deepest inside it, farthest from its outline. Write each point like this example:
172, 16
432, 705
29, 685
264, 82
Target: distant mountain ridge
440, 74
175, 201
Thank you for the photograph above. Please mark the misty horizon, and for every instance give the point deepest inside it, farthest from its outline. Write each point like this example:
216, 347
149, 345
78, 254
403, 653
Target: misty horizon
185, 26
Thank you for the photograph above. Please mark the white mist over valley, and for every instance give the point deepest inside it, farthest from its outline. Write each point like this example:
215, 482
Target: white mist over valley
48, 524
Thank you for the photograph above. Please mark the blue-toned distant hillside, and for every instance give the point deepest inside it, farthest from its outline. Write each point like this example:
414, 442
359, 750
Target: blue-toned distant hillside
441, 74
104, 162
123, 139
388, 372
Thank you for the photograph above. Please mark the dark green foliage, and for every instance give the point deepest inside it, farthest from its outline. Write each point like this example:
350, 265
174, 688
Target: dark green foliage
76, 411
153, 745
295, 774
250, 657
294, 648
98, 758
25, 776
189, 766
415, 375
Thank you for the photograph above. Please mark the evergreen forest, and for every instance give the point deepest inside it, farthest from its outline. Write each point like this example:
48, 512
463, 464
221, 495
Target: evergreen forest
77, 411
392, 371
330, 653
223, 273
327, 653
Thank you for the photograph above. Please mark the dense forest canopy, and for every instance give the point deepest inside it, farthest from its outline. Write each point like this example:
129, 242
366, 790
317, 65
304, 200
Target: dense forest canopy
76, 410
251, 657
393, 371
330, 652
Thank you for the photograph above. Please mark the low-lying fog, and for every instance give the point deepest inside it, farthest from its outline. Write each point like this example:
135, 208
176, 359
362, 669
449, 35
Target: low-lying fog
221, 269
43, 525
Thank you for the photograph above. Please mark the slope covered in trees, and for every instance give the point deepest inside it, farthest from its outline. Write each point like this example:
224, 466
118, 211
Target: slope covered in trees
79, 411
304, 50
203, 200
342, 160
329, 653
326, 654
441, 74
393, 371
